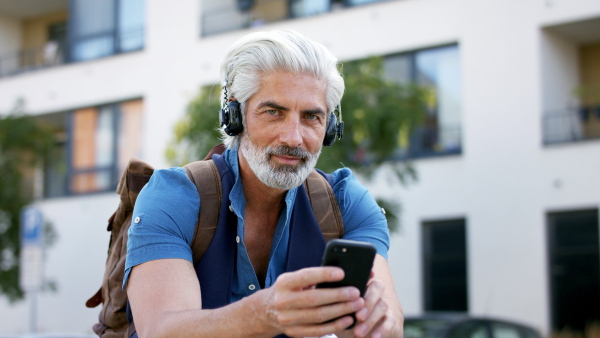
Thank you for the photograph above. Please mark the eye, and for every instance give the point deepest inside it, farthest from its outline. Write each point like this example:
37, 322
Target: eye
272, 112
311, 116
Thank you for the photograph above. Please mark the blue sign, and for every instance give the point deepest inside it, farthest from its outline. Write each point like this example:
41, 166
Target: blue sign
31, 226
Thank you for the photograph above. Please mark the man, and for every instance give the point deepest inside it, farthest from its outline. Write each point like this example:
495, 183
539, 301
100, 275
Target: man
287, 87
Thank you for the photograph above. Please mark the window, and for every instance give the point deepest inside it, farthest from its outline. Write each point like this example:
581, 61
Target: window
438, 70
574, 267
445, 265
103, 28
96, 143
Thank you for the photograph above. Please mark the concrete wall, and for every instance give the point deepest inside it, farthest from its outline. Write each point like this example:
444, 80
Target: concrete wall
10, 35
35, 30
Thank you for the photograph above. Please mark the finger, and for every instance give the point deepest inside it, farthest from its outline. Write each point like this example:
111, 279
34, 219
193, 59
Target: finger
376, 315
316, 297
372, 296
320, 329
304, 278
384, 328
318, 315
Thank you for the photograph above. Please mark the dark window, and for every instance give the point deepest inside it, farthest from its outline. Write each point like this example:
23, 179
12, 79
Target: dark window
445, 265
103, 28
438, 71
574, 266
93, 145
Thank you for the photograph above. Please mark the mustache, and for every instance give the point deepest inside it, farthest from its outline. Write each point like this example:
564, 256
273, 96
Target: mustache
288, 151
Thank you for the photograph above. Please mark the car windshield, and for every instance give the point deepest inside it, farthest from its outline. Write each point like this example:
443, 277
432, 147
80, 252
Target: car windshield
425, 328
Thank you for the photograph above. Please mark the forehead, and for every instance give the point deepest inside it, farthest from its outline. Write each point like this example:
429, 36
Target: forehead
294, 87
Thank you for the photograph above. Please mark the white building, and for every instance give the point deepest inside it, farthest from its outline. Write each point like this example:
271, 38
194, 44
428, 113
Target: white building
503, 220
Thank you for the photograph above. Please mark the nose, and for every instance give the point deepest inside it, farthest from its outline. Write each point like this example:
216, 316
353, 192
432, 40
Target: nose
291, 133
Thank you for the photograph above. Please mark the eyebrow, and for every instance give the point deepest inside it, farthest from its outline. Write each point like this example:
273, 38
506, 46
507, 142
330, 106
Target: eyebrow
275, 105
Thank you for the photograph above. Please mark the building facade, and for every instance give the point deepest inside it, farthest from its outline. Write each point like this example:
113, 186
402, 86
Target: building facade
503, 219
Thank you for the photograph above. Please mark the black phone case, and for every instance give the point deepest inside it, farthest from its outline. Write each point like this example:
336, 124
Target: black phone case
355, 258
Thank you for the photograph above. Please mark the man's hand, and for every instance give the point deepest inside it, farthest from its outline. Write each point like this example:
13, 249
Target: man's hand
295, 307
382, 315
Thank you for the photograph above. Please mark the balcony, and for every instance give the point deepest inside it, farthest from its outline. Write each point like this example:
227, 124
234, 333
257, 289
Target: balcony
571, 82
571, 125
40, 34
220, 16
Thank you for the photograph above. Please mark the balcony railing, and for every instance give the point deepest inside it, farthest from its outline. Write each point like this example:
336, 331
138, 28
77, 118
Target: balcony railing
220, 16
85, 48
571, 125
52, 54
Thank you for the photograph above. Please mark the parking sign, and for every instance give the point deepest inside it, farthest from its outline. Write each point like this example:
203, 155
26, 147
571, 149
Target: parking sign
31, 249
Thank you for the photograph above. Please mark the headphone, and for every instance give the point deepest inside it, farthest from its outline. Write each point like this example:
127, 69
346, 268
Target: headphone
231, 118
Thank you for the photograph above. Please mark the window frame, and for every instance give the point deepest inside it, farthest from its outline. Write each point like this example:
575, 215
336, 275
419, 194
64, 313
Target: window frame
66, 149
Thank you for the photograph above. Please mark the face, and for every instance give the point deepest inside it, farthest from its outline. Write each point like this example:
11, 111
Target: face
285, 126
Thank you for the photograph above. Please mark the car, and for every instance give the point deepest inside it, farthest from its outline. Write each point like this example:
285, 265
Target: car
462, 325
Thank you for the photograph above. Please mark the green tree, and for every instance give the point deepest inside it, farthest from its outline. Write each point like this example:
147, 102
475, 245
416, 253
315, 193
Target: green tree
24, 144
379, 116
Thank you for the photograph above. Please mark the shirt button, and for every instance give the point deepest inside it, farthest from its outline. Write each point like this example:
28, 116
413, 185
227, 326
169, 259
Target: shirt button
230, 208
251, 287
137, 220
237, 239
383, 211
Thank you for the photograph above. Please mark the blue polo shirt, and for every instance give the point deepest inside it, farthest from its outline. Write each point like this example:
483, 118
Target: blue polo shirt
166, 211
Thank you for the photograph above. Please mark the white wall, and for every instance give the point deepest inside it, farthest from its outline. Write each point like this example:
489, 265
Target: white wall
75, 263
559, 62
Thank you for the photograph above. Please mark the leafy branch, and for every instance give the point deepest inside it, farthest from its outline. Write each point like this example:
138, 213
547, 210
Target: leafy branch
24, 144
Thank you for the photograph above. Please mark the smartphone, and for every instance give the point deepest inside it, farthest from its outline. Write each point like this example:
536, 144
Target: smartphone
355, 258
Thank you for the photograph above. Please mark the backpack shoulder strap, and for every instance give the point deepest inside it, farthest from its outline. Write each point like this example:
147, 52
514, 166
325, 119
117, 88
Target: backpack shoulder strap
325, 205
205, 175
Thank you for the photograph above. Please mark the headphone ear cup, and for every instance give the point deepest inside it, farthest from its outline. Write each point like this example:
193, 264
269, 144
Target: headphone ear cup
331, 130
231, 118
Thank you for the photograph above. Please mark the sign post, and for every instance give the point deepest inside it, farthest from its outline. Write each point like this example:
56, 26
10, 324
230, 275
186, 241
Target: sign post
30, 276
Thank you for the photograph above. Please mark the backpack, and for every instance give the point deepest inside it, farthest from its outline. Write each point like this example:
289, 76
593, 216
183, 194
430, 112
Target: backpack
112, 320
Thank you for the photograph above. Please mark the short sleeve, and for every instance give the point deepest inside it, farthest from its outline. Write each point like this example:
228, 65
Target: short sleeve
164, 219
363, 218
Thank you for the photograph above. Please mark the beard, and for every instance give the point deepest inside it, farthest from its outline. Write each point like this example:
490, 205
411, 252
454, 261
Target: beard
278, 176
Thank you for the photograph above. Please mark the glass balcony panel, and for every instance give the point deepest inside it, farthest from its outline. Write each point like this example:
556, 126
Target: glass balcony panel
220, 17
93, 48
301, 8
360, 2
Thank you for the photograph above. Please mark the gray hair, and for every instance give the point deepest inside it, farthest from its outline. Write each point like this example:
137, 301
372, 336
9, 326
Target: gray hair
263, 52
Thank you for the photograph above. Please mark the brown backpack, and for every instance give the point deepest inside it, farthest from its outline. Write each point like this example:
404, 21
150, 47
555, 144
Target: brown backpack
205, 175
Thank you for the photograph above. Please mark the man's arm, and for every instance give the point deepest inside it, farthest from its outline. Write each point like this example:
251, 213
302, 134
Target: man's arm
382, 315
166, 301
